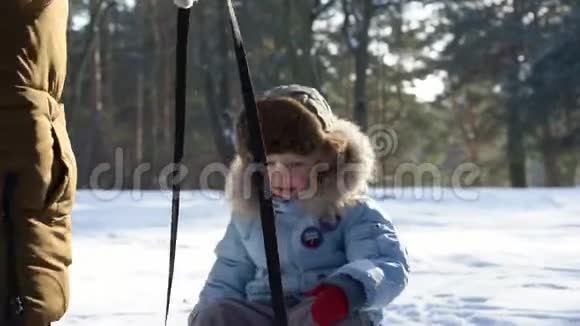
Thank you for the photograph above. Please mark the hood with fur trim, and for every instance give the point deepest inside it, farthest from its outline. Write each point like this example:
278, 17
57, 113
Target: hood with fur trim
342, 185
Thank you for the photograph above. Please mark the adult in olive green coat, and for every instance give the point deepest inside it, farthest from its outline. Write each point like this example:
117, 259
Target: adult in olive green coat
35, 147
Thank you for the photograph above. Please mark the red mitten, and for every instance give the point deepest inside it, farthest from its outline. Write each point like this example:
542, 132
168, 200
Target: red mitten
330, 304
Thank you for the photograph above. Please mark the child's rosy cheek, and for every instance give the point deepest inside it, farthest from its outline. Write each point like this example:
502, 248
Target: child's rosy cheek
300, 181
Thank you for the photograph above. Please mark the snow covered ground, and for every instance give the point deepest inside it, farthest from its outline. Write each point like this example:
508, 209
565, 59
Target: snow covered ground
506, 258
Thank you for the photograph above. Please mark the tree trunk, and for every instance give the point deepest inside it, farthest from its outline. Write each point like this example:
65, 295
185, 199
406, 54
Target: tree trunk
88, 59
551, 169
139, 118
214, 106
95, 132
360, 90
109, 61
293, 68
168, 76
465, 118
575, 169
155, 86
141, 12
516, 150
551, 158
399, 68
224, 121
311, 74
361, 54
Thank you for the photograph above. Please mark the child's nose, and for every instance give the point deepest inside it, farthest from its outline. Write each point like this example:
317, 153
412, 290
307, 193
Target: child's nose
280, 178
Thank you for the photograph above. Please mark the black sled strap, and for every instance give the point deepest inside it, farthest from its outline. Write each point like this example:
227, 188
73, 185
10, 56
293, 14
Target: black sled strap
260, 178
13, 306
180, 96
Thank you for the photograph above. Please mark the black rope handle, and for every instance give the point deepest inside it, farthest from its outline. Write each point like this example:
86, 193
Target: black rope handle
180, 99
257, 147
261, 179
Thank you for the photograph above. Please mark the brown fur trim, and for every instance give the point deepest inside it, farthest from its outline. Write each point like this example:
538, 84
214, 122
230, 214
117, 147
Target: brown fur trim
342, 185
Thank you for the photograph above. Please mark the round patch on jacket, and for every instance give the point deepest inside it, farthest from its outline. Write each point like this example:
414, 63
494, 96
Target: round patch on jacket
312, 237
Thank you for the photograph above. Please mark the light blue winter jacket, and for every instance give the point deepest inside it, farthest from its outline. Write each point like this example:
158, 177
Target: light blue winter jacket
360, 246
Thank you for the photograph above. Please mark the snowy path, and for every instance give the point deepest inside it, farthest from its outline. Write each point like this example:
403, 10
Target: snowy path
507, 258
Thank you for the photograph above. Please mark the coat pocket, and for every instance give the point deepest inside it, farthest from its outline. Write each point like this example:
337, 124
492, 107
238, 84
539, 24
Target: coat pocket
61, 192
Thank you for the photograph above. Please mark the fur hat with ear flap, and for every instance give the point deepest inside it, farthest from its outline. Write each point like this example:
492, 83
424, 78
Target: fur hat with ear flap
294, 119
297, 119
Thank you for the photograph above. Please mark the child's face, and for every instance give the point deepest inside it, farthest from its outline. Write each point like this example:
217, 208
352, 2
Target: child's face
289, 174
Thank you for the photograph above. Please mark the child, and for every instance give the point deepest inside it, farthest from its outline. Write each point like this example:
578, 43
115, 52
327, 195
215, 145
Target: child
341, 260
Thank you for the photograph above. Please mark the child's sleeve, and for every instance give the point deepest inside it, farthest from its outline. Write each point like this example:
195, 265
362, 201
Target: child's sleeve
378, 269
231, 271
